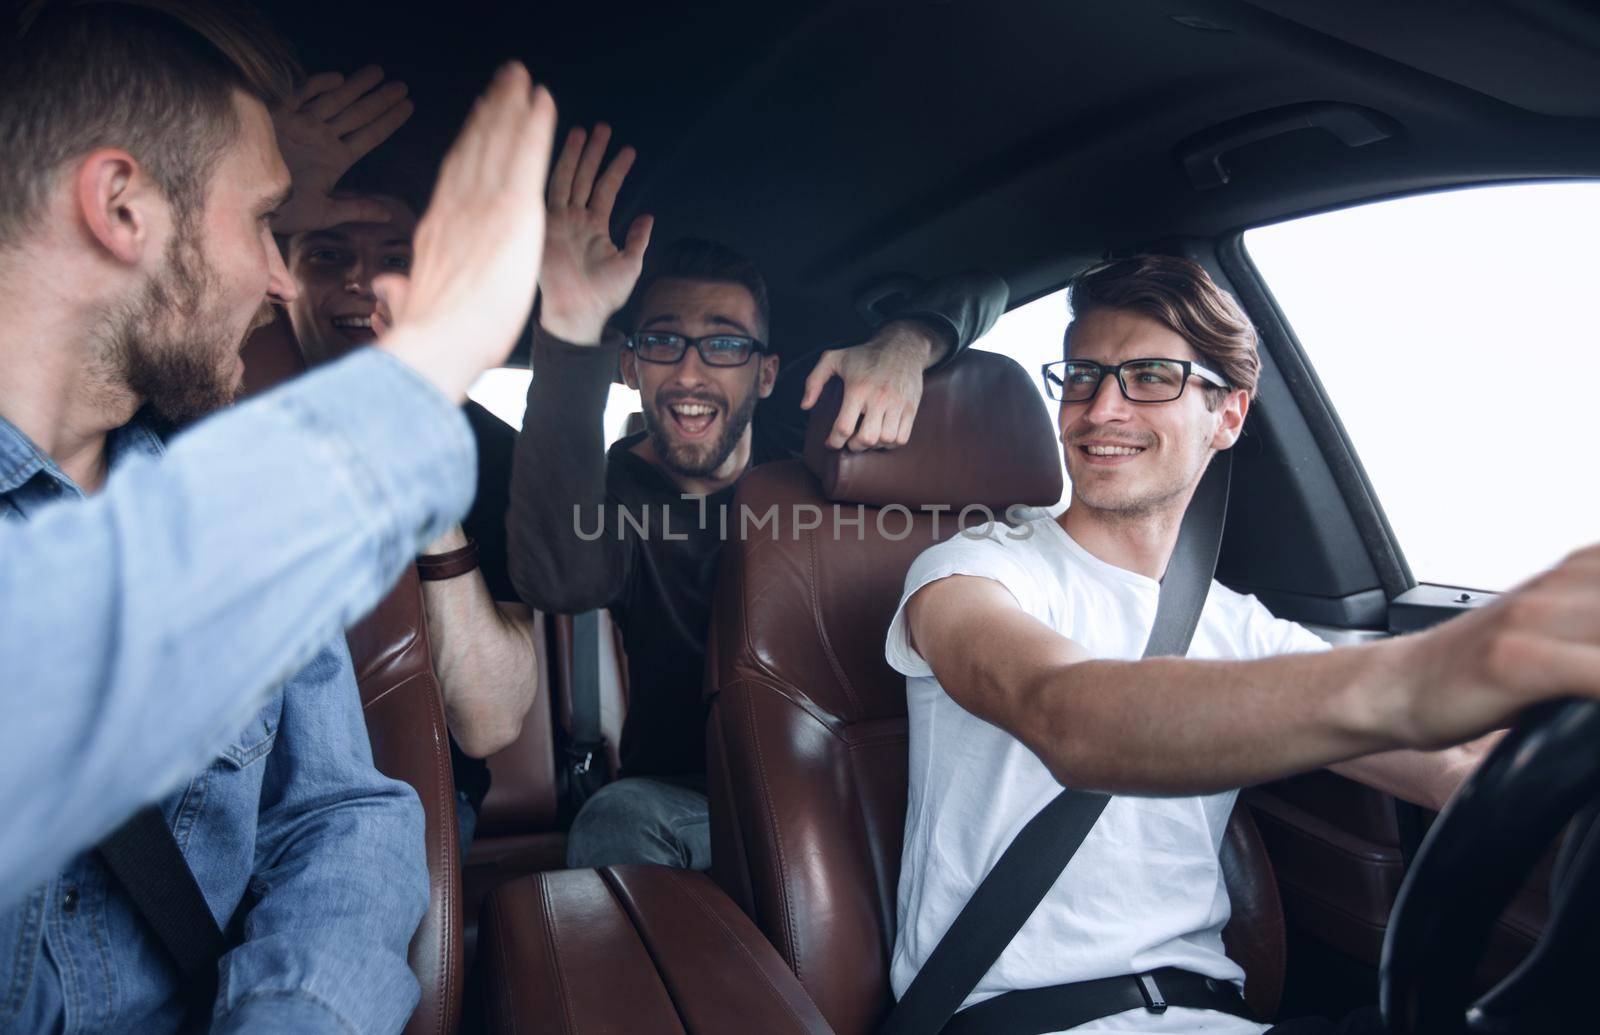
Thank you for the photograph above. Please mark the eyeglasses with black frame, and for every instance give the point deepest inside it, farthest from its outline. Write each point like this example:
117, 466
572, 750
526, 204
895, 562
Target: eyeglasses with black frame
716, 350
1141, 380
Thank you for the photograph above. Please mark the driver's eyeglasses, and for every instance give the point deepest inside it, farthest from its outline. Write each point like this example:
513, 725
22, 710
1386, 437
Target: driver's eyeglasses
716, 350
1141, 380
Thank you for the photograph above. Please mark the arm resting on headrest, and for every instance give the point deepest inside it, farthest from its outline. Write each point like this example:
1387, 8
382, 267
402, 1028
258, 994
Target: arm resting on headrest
883, 376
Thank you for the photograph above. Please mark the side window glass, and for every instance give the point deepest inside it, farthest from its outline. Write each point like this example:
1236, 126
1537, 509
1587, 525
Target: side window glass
1456, 335
1032, 335
503, 391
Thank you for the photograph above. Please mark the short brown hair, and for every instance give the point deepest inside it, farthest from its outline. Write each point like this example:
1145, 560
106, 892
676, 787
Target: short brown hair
1180, 294
694, 258
155, 77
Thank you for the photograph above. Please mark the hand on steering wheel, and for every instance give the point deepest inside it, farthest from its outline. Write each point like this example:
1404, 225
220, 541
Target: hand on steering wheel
1485, 842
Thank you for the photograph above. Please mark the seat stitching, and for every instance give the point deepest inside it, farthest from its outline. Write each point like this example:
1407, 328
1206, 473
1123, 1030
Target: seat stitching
367, 705
705, 908
777, 844
555, 957
768, 682
497, 928
886, 737
444, 807
879, 891
822, 630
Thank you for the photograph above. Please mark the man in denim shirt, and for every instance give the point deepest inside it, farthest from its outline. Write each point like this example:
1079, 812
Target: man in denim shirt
291, 816
307, 857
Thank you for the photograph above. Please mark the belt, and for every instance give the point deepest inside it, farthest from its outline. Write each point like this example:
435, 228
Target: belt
1033, 1011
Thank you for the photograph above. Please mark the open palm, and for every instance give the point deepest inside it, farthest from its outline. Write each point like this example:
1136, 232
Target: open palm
585, 277
324, 128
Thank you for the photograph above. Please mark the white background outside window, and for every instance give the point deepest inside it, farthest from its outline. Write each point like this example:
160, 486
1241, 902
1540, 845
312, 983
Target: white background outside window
1457, 337
504, 393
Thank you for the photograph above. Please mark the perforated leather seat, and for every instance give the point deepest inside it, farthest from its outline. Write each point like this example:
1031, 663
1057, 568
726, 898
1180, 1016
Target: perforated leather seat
807, 729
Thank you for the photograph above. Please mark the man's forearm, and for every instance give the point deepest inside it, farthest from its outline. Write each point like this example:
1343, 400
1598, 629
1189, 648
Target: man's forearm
141, 628
1161, 725
936, 336
483, 652
1179, 726
1426, 778
558, 483
964, 305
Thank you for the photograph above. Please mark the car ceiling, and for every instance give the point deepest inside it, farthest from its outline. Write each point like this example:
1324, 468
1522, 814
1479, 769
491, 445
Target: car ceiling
840, 142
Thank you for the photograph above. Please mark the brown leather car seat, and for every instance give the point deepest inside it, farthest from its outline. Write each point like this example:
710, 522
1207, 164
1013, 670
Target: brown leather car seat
806, 733
517, 829
405, 721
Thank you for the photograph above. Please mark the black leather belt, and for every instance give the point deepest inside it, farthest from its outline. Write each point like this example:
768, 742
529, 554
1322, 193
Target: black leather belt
1033, 1011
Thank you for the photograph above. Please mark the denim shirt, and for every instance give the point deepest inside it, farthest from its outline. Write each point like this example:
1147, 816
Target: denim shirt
292, 835
141, 629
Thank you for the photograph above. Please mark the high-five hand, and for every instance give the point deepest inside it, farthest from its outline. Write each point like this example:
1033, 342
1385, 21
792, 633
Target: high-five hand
586, 278
477, 248
326, 126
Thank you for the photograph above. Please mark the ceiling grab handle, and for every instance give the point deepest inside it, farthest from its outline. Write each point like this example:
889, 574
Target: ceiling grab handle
1353, 125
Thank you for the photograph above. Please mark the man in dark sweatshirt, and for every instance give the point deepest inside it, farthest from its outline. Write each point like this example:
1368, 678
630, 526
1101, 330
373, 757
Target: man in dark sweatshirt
699, 357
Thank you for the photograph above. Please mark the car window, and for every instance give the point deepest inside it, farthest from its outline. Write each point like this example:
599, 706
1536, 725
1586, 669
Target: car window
1455, 335
504, 393
1032, 335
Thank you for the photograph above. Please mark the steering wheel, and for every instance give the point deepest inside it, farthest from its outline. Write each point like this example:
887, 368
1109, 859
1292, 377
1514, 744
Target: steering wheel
1544, 774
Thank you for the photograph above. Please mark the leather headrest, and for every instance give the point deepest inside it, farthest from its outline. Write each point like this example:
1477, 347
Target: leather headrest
982, 437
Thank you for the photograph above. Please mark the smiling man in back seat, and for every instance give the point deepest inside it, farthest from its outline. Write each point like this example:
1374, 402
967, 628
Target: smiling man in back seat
1022, 657
701, 361
480, 634
141, 200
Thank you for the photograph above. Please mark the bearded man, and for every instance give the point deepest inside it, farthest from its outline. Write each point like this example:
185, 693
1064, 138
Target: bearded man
143, 190
700, 356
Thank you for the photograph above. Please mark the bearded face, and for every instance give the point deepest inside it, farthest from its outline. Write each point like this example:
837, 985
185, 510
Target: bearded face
688, 458
176, 346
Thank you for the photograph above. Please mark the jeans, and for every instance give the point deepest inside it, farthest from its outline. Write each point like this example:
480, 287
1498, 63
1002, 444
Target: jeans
466, 822
642, 820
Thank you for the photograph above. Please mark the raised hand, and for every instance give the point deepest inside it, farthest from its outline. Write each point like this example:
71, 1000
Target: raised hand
586, 278
325, 127
477, 248
882, 385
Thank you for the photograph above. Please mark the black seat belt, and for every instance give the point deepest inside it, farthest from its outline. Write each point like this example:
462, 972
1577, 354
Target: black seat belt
1030, 865
584, 736
145, 859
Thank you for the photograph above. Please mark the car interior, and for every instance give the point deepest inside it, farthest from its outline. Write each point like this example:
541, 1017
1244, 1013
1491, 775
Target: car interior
851, 148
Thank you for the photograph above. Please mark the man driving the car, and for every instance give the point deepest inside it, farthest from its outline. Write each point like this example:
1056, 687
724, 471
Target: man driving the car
1022, 654
701, 361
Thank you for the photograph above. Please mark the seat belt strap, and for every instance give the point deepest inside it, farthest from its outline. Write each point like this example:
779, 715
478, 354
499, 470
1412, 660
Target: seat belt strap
1036, 857
145, 859
585, 731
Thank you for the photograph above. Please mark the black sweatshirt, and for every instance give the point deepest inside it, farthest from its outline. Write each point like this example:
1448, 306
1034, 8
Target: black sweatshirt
565, 487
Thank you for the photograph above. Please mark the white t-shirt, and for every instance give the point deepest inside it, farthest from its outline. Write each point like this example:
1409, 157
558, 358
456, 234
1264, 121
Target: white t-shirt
1145, 890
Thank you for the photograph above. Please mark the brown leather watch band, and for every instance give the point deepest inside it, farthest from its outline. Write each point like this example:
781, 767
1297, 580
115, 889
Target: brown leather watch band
436, 567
